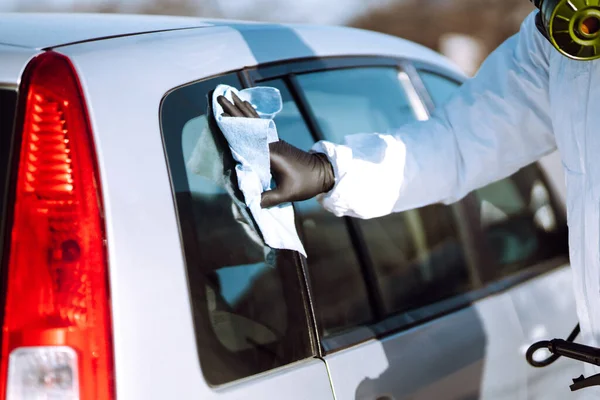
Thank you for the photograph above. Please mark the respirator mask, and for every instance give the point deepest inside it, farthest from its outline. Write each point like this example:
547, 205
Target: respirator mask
572, 26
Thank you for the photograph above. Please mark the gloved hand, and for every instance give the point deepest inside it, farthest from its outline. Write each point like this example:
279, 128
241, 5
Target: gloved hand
299, 175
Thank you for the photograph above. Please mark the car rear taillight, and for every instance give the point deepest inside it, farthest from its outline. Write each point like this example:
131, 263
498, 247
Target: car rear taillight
56, 333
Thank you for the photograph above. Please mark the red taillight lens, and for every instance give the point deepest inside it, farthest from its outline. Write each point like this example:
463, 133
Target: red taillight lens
56, 334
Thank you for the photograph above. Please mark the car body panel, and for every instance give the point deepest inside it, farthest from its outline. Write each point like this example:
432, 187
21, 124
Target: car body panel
268, 42
546, 308
13, 62
40, 31
463, 355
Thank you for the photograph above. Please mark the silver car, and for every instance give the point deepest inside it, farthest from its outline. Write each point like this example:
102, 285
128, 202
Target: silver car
131, 268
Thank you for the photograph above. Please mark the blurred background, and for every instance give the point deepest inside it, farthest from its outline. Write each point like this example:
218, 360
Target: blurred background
464, 30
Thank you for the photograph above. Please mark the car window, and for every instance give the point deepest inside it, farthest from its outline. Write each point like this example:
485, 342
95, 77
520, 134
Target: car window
440, 88
417, 256
518, 218
356, 100
290, 124
337, 283
520, 222
247, 299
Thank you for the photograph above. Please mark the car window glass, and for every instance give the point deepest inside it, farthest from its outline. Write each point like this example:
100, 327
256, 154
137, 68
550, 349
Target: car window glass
519, 222
290, 124
356, 100
417, 255
440, 88
517, 216
336, 281
248, 305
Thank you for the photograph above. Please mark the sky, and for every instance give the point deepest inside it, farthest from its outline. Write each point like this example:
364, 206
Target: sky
314, 11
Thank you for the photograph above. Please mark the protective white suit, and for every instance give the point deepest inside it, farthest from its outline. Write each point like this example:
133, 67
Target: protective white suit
526, 100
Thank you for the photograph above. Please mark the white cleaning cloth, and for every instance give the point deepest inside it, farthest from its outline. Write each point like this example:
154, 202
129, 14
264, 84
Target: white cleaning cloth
249, 140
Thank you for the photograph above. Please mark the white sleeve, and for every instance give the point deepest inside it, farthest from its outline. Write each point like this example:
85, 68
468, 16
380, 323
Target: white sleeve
495, 124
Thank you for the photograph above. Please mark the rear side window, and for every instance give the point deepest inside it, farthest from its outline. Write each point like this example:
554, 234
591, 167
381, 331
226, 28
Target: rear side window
247, 298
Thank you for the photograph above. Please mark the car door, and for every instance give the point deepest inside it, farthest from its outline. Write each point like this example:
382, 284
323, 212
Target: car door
526, 239
253, 324
392, 295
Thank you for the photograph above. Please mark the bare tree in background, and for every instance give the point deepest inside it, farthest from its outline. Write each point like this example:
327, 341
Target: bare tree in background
427, 21
170, 7
203, 8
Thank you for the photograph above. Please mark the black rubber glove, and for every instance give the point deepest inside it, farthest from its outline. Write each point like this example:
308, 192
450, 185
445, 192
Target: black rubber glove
240, 108
299, 175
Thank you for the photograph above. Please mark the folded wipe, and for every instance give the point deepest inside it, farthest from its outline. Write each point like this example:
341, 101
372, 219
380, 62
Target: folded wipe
249, 140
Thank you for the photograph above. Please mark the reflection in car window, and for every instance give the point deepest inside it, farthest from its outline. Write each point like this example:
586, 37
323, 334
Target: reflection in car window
247, 298
517, 216
337, 284
417, 255
520, 223
440, 88
290, 125
357, 100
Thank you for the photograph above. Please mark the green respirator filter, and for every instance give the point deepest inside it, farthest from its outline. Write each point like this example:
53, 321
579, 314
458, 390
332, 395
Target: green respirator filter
572, 26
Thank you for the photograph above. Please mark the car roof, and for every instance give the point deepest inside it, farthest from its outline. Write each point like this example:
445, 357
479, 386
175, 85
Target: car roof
271, 42
45, 30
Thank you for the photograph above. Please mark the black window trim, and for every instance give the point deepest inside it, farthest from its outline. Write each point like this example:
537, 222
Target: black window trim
286, 70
